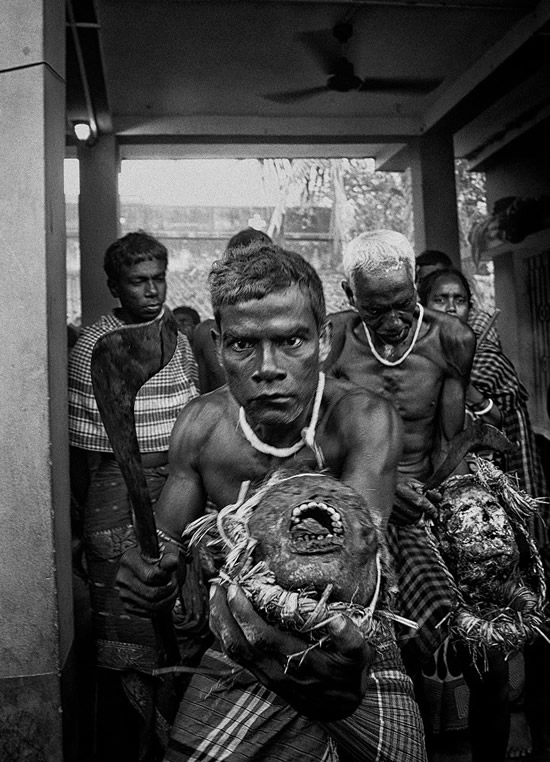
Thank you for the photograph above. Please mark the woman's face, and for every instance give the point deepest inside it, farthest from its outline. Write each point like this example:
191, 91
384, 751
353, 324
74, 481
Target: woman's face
449, 295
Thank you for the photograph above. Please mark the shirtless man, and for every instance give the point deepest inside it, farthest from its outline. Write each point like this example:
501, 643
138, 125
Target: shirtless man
273, 336
391, 345
422, 363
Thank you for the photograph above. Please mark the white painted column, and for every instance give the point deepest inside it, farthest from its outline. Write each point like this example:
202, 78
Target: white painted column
434, 194
98, 212
36, 631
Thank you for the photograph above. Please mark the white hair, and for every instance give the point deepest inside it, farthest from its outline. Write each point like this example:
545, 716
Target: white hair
378, 250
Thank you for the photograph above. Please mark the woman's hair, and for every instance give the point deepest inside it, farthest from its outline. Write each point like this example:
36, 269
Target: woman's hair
377, 250
132, 249
254, 271
434, 257
426, 285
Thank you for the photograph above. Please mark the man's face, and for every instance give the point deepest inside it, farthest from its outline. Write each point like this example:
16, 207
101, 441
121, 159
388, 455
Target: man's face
385, 301
141, 289
271, 351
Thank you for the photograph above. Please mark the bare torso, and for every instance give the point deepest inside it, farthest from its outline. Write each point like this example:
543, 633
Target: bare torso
415, 386
358, 433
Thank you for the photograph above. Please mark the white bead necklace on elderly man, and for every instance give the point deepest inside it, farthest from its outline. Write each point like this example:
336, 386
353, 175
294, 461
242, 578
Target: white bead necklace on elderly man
393, 363
307, 436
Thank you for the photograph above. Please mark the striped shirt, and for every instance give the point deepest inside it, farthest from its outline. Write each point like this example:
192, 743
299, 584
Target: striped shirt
158, 402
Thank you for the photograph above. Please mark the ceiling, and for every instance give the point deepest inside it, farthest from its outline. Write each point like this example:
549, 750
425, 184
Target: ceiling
213, 77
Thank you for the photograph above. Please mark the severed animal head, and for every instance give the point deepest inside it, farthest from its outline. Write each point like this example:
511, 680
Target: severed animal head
476, 536
313, 530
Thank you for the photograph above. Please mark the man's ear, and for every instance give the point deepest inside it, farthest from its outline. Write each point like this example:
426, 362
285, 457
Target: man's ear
348, 291
113, 288
325, 341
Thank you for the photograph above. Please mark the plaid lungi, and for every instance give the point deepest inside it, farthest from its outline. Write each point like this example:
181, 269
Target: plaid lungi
123, 641
231, 716
425, 594
387, 726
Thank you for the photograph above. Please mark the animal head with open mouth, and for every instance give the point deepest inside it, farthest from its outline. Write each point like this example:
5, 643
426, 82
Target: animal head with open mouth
303, 547
313, 530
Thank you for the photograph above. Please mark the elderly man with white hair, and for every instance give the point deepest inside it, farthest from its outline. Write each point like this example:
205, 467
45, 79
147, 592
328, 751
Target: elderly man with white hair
390, 344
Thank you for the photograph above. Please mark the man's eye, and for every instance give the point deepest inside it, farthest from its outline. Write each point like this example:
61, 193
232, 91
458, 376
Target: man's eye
293, 341
240, 345
461, 300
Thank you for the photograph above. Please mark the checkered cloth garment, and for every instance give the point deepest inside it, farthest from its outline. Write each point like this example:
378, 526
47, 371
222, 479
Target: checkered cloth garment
495, 376
158, 402
426, 592
231, 716
478, 320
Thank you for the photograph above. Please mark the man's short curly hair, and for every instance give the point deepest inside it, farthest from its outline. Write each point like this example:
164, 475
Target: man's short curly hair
254, 271
132, 249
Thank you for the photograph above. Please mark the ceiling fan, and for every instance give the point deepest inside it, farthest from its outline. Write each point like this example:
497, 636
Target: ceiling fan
341, 76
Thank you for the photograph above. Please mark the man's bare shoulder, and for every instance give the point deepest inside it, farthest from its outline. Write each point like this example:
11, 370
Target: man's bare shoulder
349, 398
342, 323
457, 340
203, 414
362, 419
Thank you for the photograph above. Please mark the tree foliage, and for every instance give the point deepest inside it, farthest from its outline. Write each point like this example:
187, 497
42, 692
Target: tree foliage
367, 199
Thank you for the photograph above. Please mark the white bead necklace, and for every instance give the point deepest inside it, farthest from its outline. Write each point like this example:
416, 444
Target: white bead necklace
393, 363
307, 434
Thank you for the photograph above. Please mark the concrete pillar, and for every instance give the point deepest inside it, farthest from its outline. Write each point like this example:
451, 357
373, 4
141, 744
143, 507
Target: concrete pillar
36, 630
434, 194
98, 213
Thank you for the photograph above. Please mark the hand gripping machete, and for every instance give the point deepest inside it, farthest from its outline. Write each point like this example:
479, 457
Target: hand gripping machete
478, 435
122, 361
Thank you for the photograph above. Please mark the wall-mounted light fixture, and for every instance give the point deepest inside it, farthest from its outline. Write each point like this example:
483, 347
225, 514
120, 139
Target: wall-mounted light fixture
84, 133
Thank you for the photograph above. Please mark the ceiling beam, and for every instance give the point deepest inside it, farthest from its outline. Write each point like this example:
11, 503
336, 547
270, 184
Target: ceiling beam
232, 150
481, 72
266, 129
463, 5
497, 141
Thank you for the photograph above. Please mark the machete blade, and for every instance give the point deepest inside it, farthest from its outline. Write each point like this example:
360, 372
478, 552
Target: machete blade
122, 361
478, 435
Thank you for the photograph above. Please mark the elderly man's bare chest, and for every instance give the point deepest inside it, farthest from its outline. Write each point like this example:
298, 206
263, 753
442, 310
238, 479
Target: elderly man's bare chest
413, 386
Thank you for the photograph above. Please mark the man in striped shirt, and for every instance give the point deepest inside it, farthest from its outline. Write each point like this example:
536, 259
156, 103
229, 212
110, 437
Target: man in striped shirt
136, 275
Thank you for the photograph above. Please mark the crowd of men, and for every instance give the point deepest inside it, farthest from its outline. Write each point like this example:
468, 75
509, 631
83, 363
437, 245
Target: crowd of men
372, 396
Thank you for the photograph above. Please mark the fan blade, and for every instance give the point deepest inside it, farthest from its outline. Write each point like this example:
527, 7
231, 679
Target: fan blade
292, 96
322, 47
404, 86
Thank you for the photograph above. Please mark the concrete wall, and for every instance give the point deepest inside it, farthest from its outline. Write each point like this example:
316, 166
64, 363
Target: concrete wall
35, 580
